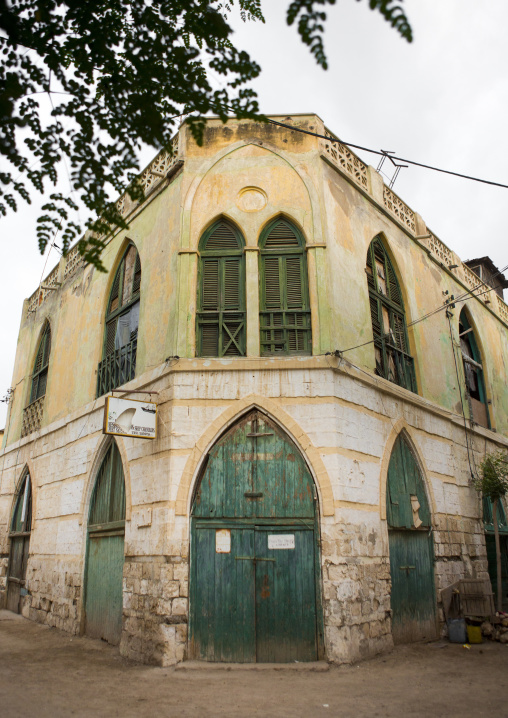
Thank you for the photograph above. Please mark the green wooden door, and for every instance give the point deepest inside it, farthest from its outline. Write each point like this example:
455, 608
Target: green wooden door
105, 552
254, 560
19, 534
491, 557
413, 600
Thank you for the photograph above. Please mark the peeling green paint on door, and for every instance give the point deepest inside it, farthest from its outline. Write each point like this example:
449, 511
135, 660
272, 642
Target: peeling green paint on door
257, 601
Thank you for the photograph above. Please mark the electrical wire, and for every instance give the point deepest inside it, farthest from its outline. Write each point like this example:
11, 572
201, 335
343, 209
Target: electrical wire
385, 154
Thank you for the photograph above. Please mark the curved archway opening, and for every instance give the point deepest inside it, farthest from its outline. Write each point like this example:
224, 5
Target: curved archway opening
105, 551
254, 580
19, 535
413, 599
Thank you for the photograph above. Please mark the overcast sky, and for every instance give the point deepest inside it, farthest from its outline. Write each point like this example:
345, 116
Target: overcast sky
442, 100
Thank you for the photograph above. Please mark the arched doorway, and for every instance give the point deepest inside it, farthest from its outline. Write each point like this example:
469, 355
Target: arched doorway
254, 582
413, 600
105, 551
19, 534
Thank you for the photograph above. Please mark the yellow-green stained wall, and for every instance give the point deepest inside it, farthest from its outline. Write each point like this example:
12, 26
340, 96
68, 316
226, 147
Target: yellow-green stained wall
251, 173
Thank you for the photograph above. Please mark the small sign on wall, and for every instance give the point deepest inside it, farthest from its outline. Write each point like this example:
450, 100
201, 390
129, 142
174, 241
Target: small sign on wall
130, 417
281, 541
223, 541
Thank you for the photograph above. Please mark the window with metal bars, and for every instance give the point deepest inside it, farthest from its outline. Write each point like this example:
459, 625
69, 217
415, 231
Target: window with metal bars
40, 372
118, 364
473, 372
393, 359
285, 321
220, 317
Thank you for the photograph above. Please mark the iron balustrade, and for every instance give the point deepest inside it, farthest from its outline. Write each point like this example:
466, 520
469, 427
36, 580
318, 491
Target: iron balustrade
117, 368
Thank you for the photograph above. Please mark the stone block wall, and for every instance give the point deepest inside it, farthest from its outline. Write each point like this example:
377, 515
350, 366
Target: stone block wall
155, 609
54, 593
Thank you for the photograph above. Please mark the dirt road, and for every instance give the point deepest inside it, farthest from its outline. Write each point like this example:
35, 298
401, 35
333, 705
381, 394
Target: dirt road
45, 673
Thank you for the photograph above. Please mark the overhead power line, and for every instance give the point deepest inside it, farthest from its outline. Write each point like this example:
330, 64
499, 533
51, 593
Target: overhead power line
389, 155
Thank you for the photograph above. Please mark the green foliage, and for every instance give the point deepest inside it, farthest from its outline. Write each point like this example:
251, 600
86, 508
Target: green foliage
118, 74
493, 479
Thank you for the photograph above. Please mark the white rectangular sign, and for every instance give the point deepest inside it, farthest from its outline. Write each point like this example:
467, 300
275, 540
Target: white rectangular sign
130, 417
223, 541
281, 541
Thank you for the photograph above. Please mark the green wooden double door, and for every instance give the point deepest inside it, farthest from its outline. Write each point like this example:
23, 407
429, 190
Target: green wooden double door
413, 596
254, 553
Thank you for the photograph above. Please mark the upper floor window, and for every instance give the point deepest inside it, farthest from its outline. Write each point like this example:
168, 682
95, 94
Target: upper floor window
40, 372
391, 345
220, 317
118, 365
473, 372
285, 321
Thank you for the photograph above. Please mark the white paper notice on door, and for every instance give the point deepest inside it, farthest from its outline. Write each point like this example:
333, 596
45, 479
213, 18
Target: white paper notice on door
281, 541
223, 541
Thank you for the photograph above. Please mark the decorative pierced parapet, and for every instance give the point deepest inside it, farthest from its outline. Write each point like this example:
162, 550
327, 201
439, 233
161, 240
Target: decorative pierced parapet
473, 281
73, 263
439, 250
399, 209
502, 308
32, 417
346, 160
48, 285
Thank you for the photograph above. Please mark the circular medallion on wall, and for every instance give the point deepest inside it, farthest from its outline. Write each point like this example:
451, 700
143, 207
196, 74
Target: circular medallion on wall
251, 199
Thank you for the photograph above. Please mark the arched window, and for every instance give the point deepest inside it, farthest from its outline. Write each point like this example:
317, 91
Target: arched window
391, 345
118, 365
40, 372
220, 316
19, 535
285, 320
33, 413
473, 372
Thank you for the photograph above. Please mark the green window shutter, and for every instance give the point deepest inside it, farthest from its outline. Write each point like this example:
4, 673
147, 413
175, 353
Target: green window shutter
22, 516
40, 372
220, 318
137, 275
210, 292
285, 321
108, 498
393, 361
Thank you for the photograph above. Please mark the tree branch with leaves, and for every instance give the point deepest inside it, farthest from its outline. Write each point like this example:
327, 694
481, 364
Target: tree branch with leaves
118, 74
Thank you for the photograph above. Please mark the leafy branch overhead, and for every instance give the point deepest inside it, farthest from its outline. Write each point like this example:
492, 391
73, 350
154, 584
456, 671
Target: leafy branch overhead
83, 85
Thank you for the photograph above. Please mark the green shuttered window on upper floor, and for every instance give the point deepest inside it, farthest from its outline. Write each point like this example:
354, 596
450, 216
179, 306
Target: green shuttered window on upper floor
393, 359
285, 320
220, 317
40, 372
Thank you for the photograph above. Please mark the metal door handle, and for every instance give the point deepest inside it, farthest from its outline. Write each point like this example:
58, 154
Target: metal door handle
406, 568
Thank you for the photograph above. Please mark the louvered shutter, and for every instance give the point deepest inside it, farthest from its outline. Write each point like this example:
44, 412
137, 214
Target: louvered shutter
231, 287
374, 313
222, 238
273, 294
137, 275
115, 289
294, 289
393, 285
210, 286
282, 236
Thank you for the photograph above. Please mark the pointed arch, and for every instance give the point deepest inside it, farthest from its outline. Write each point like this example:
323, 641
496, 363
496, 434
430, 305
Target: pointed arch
401, 427
20, 527
285, 314
391, 343
193, 466
118, 364
472, 364
221, 306
97, 460
41, 364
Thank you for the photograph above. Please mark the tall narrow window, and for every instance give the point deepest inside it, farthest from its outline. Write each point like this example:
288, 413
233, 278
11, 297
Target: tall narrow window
285, 321
220, 316
118, 365
33, 413
19, 535
473, 372
391, 345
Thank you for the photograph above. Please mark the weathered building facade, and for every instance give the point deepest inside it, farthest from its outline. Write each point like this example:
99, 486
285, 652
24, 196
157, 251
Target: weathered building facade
309, 491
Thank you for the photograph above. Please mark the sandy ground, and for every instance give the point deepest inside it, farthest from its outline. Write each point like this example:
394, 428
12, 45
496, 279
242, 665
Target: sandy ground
46, 673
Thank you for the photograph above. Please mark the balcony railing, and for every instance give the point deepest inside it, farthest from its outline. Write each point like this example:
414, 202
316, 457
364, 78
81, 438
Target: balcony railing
399, 367
117, 368
32, 417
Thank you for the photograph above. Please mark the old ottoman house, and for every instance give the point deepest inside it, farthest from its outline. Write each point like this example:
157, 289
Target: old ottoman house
298, 502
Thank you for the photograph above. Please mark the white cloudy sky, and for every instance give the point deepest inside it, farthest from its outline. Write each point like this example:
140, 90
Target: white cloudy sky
442, 101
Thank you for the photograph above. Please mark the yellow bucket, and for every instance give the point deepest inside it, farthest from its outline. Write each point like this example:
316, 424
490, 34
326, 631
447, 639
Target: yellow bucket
474, 634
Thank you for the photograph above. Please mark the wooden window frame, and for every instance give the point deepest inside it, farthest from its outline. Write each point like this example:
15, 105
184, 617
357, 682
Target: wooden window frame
277, 324
44, 348
230, 324
392, 345
475, 364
